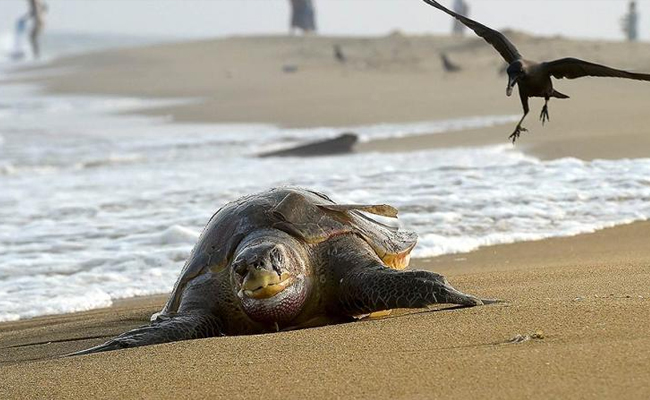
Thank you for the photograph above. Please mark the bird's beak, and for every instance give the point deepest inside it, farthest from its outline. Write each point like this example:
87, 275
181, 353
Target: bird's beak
512, 81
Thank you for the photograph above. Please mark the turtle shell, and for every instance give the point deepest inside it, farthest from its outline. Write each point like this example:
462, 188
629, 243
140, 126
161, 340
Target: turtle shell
314, 217
307, 215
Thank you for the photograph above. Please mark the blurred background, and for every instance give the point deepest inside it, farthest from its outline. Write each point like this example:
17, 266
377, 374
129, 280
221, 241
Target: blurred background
597, 19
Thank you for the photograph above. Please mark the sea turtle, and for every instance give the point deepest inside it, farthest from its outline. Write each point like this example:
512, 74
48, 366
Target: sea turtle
290, 258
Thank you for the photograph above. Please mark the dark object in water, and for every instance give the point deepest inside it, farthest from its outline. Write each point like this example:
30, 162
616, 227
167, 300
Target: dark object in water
448, 65
339, 145
534, 78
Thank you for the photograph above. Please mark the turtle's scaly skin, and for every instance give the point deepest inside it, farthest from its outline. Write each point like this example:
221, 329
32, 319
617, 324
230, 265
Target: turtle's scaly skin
290, 258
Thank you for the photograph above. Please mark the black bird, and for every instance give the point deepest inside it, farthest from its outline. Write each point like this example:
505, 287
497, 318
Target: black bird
533, 78
338, 54
448, 65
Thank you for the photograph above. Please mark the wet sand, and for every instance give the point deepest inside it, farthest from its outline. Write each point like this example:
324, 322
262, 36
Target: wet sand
587, 296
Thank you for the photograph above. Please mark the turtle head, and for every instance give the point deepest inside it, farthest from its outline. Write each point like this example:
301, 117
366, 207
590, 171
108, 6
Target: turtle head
516, 72
269, 275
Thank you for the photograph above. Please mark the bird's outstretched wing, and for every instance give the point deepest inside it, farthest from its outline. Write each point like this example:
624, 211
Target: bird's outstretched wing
501, 43
572, 68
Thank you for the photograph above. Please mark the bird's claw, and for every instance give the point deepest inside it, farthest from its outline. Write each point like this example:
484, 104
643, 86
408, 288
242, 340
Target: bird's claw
544, 116
515, 135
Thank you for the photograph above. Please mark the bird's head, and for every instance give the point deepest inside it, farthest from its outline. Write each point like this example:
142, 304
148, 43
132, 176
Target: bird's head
515, 74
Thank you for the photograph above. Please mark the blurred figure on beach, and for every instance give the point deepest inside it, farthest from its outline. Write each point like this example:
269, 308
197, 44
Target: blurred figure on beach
18, 52
460, 7
37, 10
631, 23
303, 16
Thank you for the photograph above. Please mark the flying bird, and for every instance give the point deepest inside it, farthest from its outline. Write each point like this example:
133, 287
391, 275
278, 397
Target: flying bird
534, 78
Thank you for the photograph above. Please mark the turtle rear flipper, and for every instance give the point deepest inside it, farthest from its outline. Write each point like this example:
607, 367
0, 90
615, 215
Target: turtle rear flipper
383, 210
180, 327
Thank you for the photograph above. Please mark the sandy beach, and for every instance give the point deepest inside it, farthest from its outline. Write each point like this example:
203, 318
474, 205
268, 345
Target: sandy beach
583, 302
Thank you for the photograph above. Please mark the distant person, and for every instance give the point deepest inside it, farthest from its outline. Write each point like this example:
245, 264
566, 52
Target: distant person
19, 37
631, 23
303, 16
37, 10
460, 7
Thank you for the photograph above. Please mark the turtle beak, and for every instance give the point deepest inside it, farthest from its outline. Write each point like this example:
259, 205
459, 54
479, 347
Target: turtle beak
512, 81
259, 272
264, 284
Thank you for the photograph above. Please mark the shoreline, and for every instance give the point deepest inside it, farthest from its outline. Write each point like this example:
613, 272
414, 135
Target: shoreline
454, 264
464, 262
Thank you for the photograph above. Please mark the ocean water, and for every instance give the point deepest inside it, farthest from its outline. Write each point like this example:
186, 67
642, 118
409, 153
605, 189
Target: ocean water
96, 205
15, 50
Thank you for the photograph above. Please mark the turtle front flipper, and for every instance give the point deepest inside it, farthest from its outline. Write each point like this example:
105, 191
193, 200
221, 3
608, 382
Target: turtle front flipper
180, 327
365, 284
377, 288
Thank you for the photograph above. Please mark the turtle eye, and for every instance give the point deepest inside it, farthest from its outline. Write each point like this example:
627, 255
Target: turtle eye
240, 268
